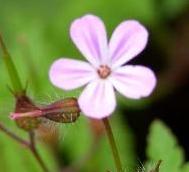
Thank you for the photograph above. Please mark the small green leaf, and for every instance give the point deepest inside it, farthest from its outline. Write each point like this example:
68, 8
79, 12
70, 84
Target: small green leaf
162, 144
11, 69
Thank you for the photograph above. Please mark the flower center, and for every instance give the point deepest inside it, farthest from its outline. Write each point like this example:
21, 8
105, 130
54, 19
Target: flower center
104, 71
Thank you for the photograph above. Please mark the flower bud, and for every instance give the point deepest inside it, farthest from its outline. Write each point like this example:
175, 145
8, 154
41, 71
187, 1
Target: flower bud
63, 111
23, 105
28, 116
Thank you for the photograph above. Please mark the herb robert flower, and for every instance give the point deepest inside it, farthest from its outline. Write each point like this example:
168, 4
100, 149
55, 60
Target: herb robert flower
106, 69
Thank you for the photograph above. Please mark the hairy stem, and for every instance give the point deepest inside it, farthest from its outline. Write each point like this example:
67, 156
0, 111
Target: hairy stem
30, 145
14, 136
113, 145
35, 152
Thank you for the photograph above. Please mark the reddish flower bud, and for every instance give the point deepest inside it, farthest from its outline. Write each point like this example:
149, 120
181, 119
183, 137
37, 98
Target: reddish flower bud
23, 105
63, 111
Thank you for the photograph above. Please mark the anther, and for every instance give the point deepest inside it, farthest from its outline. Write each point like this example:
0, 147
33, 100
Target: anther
104, 71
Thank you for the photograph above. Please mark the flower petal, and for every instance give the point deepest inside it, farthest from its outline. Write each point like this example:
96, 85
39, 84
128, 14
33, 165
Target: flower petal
70, 74
134, 81
89, 35
98, 99
127, 41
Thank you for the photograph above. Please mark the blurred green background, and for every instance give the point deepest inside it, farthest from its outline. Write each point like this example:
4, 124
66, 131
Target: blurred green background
37, 32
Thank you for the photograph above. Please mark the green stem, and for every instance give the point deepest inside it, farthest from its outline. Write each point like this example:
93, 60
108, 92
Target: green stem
30, 145
113, 145
13, 74
14, 136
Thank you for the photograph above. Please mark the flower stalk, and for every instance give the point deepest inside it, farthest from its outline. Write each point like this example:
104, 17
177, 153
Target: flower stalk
14, 136
113, 146
35, 152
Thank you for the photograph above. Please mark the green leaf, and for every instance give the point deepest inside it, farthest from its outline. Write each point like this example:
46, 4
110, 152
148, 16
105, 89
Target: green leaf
163, 145
11, 69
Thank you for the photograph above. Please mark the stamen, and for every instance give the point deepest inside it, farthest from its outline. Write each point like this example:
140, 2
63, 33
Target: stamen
104, 71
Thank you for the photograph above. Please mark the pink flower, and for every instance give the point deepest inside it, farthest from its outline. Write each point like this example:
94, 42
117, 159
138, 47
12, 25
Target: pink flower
105, 69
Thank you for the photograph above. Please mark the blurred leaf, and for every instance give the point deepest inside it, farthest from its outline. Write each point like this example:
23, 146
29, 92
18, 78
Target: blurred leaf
162, 144
125, 143
97, 156
185, 168
173, 8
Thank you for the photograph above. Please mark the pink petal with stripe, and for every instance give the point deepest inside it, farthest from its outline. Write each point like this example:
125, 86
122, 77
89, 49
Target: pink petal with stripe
134, 81
70, 74
98, 99
127, 41
89, 35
